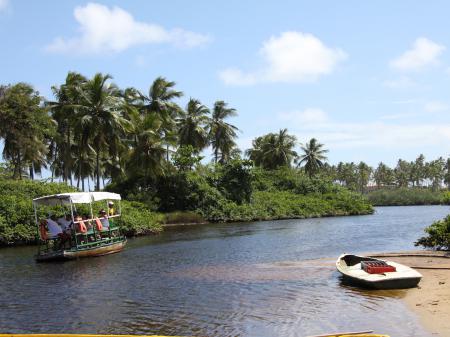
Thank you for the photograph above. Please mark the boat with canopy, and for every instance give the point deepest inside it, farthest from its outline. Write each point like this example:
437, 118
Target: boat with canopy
82, 236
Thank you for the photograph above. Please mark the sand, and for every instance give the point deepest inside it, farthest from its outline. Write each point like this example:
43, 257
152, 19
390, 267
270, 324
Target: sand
431, 299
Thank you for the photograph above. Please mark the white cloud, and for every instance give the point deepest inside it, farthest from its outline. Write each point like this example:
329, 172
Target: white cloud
140, 61
379, 134
103, 29
4, 4
435, 106
424, 52
399, 83
234, 76
304, 117
290, 57
398, 116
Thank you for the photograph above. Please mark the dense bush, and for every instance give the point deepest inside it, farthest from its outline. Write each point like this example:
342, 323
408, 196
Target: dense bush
239, 192
235, 180
407, 196
183, 217
136, 219
438, 235
284, 205
16, 210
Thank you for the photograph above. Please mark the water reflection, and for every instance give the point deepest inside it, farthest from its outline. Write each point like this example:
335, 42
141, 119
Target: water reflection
252, 279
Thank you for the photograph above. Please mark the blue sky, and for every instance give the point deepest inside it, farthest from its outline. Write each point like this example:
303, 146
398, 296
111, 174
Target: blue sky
370, 80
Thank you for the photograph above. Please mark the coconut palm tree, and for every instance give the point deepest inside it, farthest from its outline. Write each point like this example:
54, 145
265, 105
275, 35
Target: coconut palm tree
64, 112
160, 102
146, 156
273, 150
101, 123
221, 133
313, 156
192, 125
383, 175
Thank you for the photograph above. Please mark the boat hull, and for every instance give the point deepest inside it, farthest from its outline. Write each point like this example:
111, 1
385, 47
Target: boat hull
349, 266
382, 285
64, 255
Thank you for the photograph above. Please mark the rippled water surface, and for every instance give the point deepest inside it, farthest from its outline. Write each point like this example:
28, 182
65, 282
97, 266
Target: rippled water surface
274, 278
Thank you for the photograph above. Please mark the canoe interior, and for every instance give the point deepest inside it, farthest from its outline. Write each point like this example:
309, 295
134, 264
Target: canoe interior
351, 260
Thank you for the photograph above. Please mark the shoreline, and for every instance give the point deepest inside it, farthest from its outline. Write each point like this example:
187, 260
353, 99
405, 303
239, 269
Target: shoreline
430, 300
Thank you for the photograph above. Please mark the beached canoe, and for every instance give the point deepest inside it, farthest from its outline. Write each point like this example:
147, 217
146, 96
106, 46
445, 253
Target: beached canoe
399, 277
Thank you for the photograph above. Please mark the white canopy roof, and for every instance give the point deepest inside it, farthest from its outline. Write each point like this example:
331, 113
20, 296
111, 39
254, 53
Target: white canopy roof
76, 198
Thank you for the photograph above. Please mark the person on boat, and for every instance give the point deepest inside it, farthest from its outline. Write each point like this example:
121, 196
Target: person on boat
87, 221
104, 219
80, 225
111, 210
65, 222
53, 228
66, 225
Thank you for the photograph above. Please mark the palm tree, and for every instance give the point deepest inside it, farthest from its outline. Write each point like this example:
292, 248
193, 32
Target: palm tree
84, 165
160, 102
147, 151
191, 125
64, 112
364, 173
383, 175
221, 133
272, 151
313, 156
101, 123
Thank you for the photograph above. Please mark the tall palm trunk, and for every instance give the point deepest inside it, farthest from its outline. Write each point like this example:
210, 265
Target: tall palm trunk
97, 168
18, 167
31, 172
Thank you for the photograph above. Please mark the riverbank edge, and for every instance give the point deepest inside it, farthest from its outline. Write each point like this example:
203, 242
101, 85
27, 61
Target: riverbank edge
266, 219
430, 300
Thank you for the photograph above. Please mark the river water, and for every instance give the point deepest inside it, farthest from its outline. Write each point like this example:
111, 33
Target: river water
273, 278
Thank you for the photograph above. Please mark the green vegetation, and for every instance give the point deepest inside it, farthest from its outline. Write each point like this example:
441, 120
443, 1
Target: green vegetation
438, 235
407, 196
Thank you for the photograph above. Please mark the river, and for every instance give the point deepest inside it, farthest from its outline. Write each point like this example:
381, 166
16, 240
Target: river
273, 278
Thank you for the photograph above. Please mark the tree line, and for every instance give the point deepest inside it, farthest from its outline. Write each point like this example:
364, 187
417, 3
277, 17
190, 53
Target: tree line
93, 130
417, 173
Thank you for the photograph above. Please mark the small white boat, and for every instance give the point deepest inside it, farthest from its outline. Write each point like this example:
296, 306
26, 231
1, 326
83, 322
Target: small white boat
401, 276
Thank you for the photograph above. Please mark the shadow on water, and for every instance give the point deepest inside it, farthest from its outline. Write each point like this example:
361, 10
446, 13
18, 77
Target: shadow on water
272, 278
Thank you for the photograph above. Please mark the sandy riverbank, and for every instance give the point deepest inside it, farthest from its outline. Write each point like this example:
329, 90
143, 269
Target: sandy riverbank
431, 299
